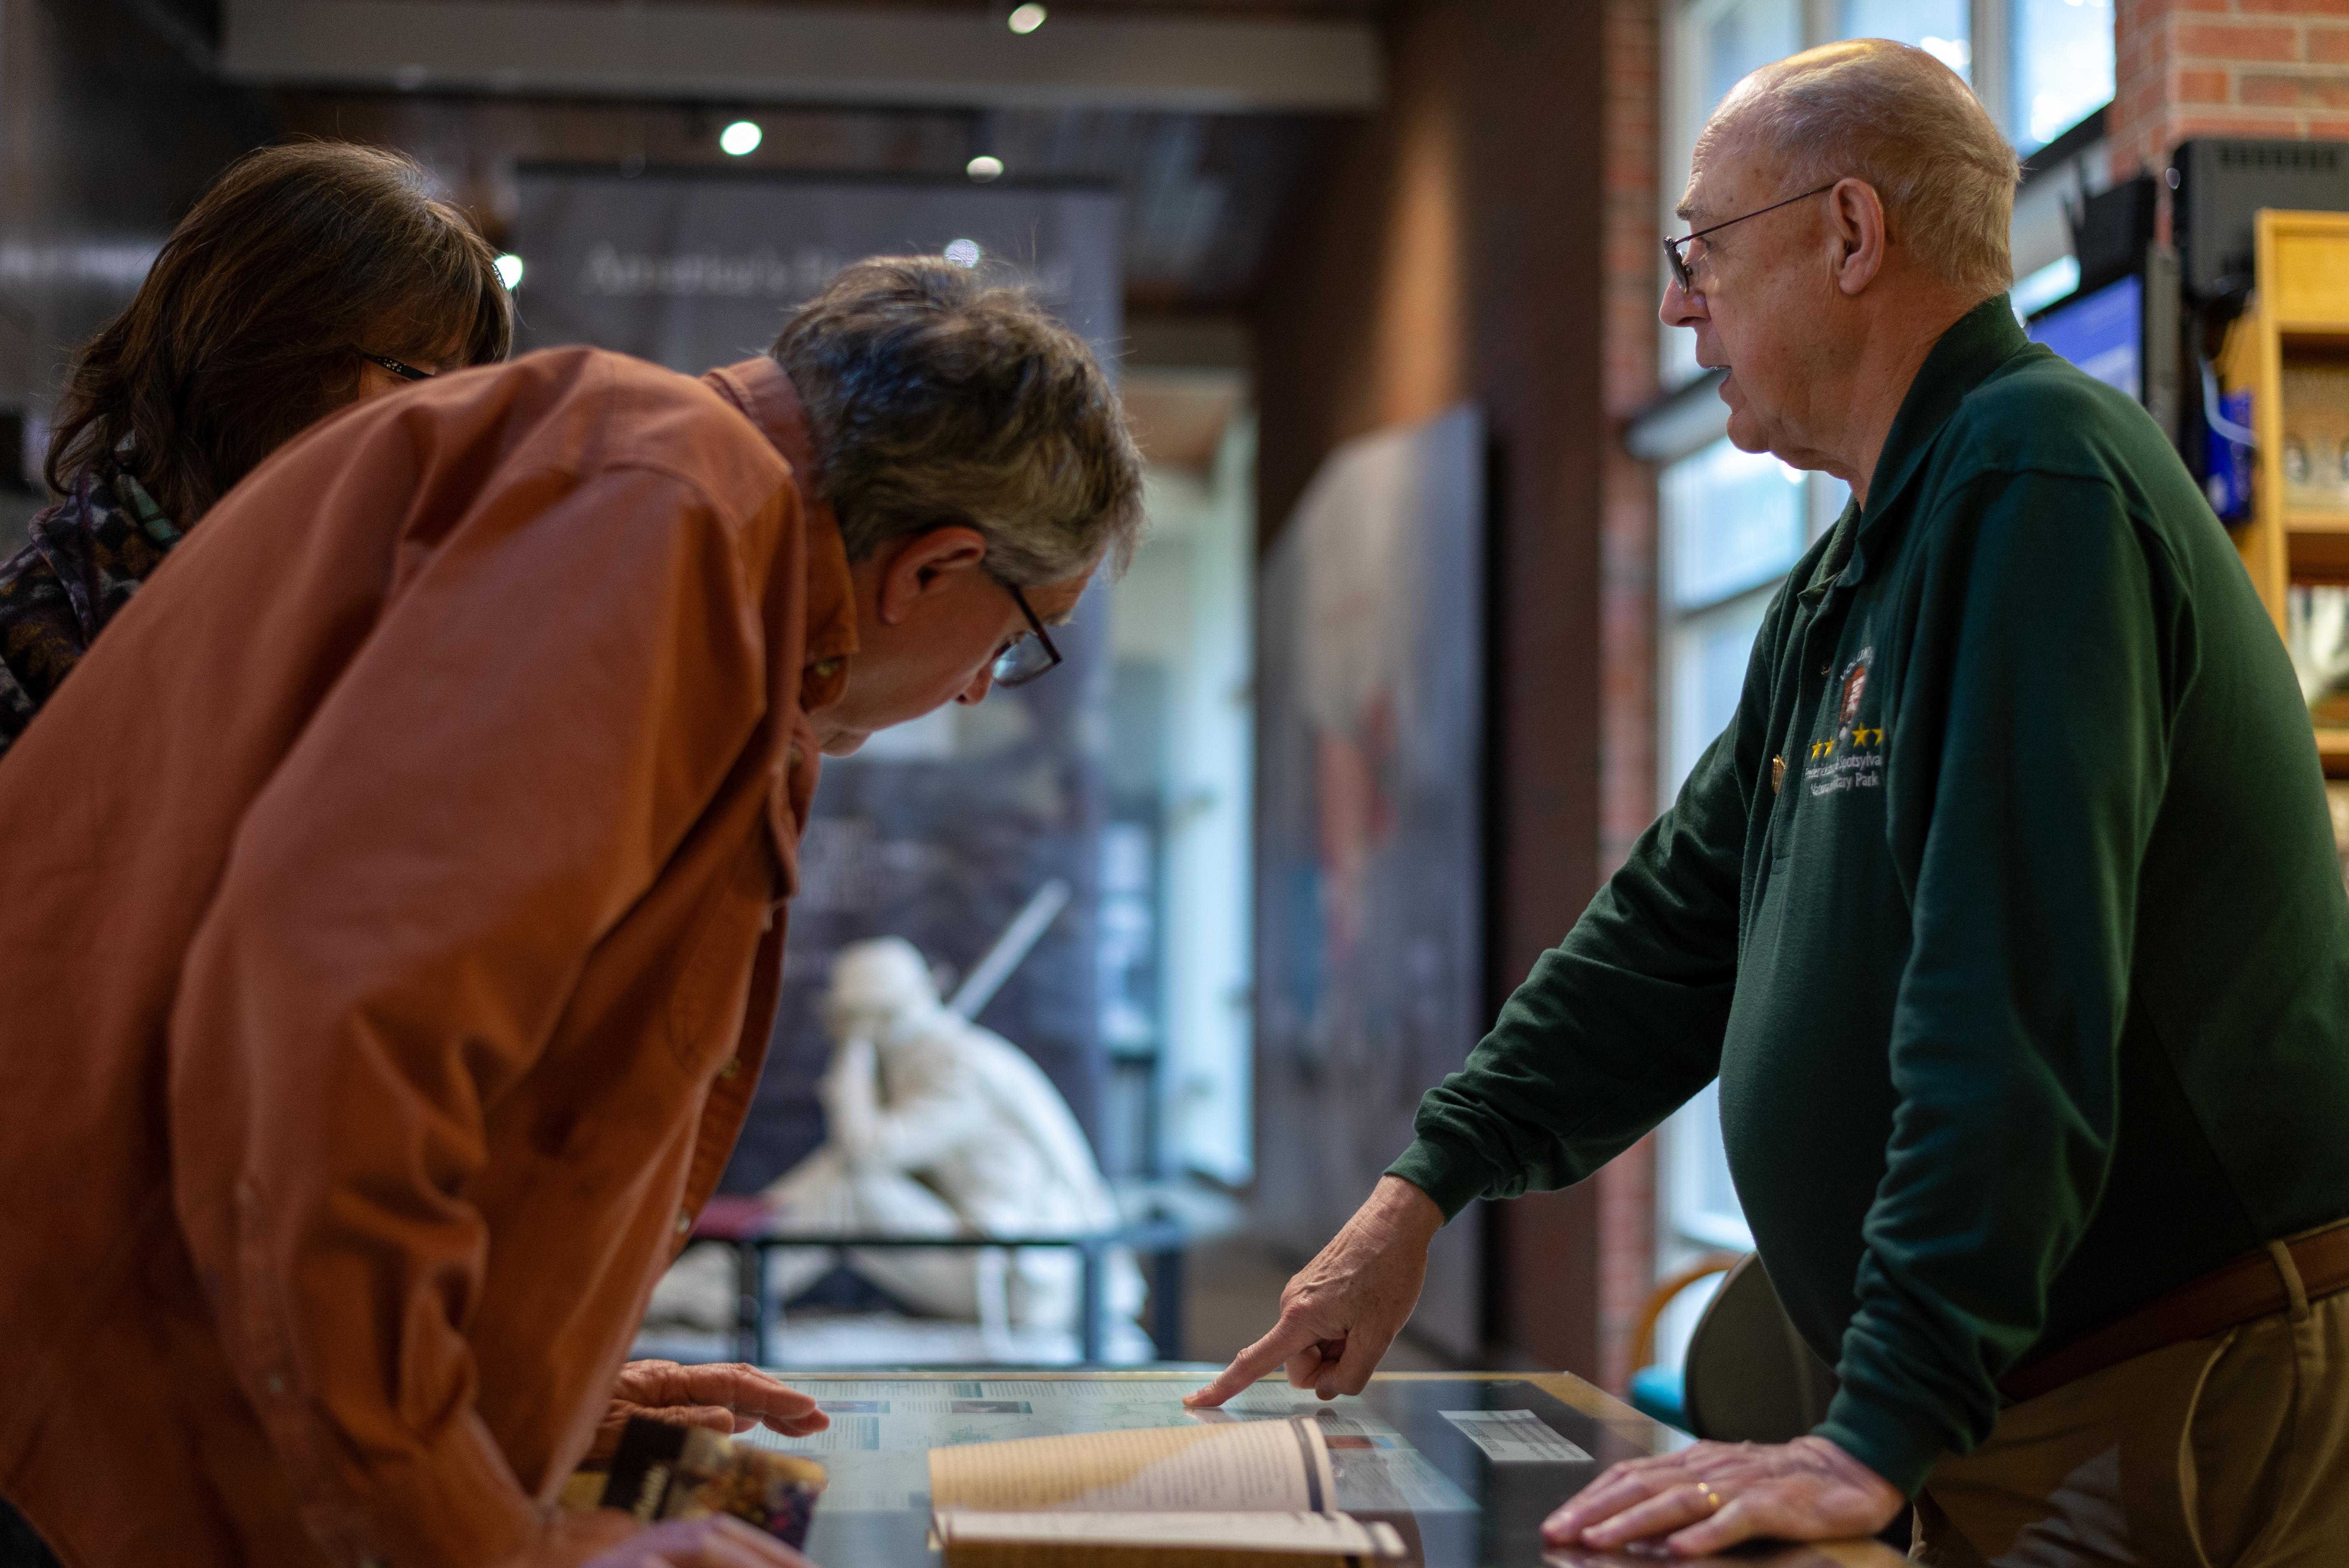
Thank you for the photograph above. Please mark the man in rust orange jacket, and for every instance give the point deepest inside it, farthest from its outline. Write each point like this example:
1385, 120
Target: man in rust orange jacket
394, 907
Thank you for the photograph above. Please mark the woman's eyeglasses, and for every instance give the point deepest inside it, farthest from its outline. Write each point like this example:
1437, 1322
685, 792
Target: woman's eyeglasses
404, 371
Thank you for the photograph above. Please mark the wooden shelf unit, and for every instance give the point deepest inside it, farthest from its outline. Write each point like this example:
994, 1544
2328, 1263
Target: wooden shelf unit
2300, 304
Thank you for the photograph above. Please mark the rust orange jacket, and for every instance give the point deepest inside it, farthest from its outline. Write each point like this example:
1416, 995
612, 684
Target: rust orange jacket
388, 942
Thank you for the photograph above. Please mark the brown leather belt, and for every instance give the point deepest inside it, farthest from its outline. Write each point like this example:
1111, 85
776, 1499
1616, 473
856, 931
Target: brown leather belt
2255, 1285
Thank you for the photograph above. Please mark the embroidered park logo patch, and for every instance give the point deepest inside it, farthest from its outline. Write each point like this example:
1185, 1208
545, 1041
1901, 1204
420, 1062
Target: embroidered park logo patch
1853, 757
1855, 687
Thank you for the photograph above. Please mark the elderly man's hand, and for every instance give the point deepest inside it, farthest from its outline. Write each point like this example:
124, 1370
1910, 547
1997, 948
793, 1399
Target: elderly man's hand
1344, 1308
728, 1399
1713, 1495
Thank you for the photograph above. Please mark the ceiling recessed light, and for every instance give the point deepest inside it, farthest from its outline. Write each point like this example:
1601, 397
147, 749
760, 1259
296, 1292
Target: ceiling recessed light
984, 167
510, 270
741, 138
963, 252
1026, 19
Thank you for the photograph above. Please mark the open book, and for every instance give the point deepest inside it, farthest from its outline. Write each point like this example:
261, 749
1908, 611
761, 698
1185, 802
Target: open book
1168, 1497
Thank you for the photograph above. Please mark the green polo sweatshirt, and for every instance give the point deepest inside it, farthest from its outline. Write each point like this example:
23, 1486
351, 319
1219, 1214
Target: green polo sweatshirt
2006, 911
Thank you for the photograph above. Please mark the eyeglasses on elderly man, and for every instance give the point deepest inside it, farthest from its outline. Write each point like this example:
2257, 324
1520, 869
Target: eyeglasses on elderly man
1676, 248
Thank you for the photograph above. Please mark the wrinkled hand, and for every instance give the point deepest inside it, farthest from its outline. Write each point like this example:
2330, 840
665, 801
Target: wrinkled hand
717, 1542
731, 1398
1344, 1308
1713, 1495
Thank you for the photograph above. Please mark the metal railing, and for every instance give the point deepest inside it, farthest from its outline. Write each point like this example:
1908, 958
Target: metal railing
1159, 1237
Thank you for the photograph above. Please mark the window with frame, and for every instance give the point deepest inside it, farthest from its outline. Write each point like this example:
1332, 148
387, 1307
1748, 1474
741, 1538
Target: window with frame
2062, 68
2040, 66
1732, 523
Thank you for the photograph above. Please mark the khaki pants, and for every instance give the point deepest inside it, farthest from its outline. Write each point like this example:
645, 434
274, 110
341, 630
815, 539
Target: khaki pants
2230, 1452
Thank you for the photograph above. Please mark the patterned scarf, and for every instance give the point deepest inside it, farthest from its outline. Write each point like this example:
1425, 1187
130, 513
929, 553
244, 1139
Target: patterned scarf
89, 554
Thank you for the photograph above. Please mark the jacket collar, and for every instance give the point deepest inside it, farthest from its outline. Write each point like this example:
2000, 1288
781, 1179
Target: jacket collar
765, 395
1976, 344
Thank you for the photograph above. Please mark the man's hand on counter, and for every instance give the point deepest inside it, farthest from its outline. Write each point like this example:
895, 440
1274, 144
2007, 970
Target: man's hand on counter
1344, 1308
1713, 1495
730, 1398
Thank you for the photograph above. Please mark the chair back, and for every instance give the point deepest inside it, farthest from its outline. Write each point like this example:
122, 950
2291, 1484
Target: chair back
1749, 1376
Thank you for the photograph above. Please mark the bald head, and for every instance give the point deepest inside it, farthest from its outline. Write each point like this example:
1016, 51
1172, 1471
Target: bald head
1901, 121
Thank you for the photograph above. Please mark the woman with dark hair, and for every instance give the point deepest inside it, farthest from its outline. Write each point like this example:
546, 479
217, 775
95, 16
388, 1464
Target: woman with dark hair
306, 278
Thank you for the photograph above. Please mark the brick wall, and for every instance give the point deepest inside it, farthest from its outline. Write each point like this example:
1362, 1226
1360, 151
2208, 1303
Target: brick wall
2225, 67
1633, 42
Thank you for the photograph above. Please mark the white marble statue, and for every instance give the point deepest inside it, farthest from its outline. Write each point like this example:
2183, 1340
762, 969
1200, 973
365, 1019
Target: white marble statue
934, 1126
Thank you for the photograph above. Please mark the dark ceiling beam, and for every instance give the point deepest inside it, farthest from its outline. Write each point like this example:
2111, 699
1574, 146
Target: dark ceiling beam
743, 54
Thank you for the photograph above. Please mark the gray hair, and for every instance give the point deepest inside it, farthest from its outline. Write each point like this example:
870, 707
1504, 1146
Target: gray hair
935, 396
1897, 117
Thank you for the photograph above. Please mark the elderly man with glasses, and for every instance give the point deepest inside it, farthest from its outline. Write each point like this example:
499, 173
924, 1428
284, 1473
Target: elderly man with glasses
397, 913
2005, 912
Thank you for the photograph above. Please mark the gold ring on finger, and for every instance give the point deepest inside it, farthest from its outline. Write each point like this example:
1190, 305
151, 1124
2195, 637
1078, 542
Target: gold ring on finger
1713, 1499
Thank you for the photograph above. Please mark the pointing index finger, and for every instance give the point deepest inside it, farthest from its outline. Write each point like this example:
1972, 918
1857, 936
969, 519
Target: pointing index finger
1256, 1361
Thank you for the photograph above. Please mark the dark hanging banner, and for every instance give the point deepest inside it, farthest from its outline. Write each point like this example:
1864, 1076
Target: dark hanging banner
944, 830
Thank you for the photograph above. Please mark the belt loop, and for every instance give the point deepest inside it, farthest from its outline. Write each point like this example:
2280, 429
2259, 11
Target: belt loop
2292, 1288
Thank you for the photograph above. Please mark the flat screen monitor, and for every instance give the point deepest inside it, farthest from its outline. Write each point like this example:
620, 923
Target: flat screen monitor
2103, 333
